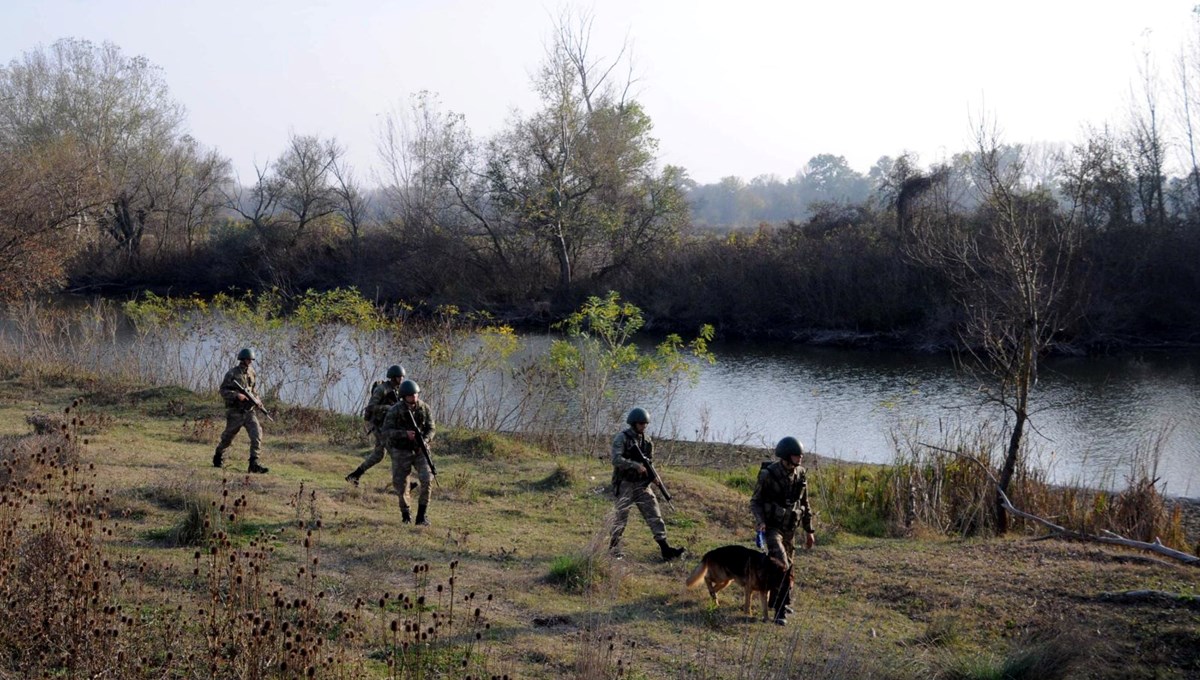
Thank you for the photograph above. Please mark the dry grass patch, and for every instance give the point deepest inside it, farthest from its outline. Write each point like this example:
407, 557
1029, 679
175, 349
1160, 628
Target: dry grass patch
866, 607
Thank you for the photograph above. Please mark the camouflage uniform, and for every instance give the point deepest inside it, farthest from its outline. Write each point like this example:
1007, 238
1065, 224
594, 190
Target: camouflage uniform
406, 454
633, 488
384, 395
238, 413
780, 502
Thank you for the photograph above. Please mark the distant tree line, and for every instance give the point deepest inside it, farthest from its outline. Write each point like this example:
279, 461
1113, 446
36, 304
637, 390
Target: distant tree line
101, 191
733, 203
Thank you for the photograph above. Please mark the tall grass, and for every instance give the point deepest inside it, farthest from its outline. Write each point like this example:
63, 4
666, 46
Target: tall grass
76, 605
322, 350
928, 488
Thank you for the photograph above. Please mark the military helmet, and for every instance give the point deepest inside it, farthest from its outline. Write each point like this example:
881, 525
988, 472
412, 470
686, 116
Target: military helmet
246, 353
396, 371
409, 387
637, 415
788, 447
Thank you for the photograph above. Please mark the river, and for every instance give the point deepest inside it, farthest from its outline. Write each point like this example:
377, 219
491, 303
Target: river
1089, 418
1090, 415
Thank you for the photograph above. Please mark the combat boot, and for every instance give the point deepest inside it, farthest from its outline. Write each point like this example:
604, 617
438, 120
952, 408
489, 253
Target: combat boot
783, 608
218, 459
421, 520
257, 469
614, 548
404, 516
669, 553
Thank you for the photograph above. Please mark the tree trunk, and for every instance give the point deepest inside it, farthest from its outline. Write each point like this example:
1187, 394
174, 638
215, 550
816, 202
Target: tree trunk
1026, 370
564, 265
1010, 467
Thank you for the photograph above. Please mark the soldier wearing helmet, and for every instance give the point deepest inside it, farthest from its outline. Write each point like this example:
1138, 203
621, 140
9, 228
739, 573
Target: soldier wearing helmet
384, 394
631, 484
401, 426
239, 410
779, 504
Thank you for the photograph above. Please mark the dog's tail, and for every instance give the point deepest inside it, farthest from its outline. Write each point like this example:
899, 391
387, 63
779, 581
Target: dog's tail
698, 574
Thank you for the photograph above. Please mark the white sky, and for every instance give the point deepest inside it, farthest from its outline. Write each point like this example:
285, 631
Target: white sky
744, 88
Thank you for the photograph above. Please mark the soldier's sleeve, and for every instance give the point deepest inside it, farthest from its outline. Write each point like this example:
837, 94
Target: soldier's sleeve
372, 408
619, 461
758, 499
227, 390
805, 511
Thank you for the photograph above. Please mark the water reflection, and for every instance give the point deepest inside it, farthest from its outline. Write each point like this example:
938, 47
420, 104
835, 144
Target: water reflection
1091, 415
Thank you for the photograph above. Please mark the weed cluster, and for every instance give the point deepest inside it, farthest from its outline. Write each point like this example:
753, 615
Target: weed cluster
202, 430
76, 606
932, 489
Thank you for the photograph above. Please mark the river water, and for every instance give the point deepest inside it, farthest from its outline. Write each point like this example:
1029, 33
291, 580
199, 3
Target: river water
1090, 415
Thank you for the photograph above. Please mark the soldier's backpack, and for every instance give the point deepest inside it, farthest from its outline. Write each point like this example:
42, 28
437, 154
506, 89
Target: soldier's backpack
369, 410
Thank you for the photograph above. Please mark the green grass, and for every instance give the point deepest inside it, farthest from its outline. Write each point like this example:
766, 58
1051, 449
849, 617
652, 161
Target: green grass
578, 573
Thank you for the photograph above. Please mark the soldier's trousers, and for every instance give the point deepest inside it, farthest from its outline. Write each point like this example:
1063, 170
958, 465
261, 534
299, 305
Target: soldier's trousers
781, 544
639, 494
403, 463
375, 456
236, 419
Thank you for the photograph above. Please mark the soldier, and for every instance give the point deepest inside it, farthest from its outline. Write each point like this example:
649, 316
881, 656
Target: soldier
631, 484
405, 425
384, 395
238, 391
780, 502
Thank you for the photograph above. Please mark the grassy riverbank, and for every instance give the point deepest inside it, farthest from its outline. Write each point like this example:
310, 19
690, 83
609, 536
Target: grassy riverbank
525, 529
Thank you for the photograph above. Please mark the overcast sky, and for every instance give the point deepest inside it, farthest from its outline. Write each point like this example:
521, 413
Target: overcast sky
746, 88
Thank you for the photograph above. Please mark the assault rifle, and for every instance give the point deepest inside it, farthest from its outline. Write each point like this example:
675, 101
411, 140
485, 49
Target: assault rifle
255, 401
423, 443
641, 458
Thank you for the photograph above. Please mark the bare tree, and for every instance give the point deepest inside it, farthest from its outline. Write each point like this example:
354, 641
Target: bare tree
1008, 266
1188, 101
1147, 148
352, 207
202, 177
427, 157
435, 181
1096, 179
579, 175
570, 191
258, 204
304, 174
116, 109
43, 195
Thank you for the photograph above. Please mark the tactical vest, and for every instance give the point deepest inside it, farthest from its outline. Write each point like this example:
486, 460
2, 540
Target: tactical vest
629, 453
788, 513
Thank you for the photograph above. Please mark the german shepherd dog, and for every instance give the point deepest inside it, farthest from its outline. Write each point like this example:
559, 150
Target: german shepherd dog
754, 571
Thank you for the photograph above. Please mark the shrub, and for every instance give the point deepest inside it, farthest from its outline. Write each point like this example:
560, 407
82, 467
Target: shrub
1035, 657
562, 477
578, 573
